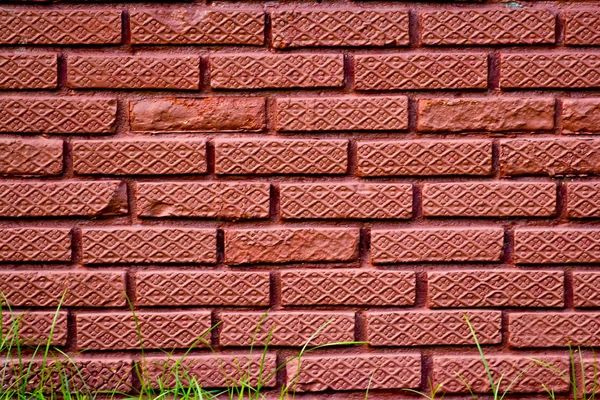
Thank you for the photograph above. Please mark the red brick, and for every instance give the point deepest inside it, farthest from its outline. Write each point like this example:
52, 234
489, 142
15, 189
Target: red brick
553, 329
286, 328
425, 328
355, 372
140, 157
212, 114
489, 199
207, 200
35, 244
47, 288
197, 26
471, 26
586, 289
156, 330
581, 27
421, 71
37, 157
60, 199
245, 246
19, 71
590, 376
583, 199
557, 245
277, 156
348, 287
357, 200
365, 113
485, 114
61, 27
340, 27
519, 374
143, 245
581, 116
439, 244
210, 288
497, 288
58, 115
118, 72
424, 157
262, 71
35, 327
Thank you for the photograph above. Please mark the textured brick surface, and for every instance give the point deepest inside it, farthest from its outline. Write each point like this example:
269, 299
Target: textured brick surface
581, 27
583, 199
31, 157
35, 327
28, 71
581, 115
553, 329
35, 244
585, 289
557, 245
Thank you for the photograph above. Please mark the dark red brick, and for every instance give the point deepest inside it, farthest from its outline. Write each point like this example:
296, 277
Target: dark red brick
581, 27
35, 157
586, 289
28, 71
545, 245
553, 329
35, 327
35, 244
581, 116
583, 199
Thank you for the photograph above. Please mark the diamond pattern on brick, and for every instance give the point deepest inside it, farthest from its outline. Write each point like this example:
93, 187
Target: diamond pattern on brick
35, 244
583, 199
586, 289
35, 327
28, 71
30, 156
554, 329
557, 245
581, 27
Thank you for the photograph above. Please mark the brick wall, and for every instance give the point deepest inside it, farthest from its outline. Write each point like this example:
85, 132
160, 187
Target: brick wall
381, 167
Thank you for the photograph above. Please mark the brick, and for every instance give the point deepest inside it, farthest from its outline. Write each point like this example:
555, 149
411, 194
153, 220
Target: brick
31, 157
424, 157
549, 157
497, 288
47, 288
197, 26
140, 157
340, 27
211, 114
61, 199
137, 72
586, 287
495, 26
355, 372
348, 287
485, 114
262, 71
247, 246
35, 244
581, 27
489, 199
583, 199
35, 327
590, 375
286, 328
553, 329
551, 70
277, 156
425, 328
556, 245
421, 71
19, 71
580, 116
518, 374
156, 330
67, 115
210, 288
60, 27
132, 245
436, 245
365, 113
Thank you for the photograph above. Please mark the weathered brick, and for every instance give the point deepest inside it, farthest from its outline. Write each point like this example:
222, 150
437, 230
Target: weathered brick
119, 72
211, 288
581, 116
485, 114
286, 328
35, 327
557, 245
365, 113
355, 372
425, 328
262, 71
61, 27
489, 199
348, 287
35, 157
581, 27
583, 199
155, 330
440, 244
35, 244
586, 287
226, 114
424, 157
208, 200
497, 288
139, 157
277, 156
19, 71
137, 245
553, 329
245, 246
47, 288
487, 26
197, 26
421, 71
340, 27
